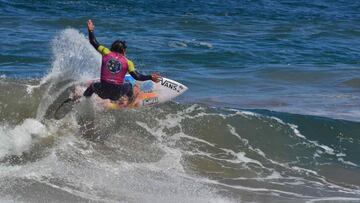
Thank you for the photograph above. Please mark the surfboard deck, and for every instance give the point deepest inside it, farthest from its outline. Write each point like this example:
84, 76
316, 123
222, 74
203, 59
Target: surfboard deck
146, 93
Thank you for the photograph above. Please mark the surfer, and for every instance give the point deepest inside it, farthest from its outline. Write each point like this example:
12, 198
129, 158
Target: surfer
113, 69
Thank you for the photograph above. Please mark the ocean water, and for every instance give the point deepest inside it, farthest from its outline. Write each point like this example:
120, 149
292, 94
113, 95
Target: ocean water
272, 113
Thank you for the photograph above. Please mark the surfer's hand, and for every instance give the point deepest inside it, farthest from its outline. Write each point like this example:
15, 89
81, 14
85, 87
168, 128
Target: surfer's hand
155, 77
90, 25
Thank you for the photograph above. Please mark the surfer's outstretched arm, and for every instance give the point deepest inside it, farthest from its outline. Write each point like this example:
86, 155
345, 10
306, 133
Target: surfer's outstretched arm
92, 38
138, 76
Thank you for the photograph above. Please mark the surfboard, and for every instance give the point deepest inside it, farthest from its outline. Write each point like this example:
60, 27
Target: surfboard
146, 93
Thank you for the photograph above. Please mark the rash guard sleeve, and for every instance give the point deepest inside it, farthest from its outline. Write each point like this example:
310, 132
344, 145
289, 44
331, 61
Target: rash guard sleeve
103, 50
135, 74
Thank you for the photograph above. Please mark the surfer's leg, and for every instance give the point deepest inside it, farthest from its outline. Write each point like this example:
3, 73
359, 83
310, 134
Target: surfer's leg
98, 88
103, 90
89, 91
115, 93
128, 89
121, 93
124, 94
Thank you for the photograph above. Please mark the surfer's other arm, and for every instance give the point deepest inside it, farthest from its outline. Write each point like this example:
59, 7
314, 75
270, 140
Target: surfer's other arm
138, 76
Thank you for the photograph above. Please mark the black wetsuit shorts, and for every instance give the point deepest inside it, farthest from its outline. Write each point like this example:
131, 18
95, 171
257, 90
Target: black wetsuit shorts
109, 91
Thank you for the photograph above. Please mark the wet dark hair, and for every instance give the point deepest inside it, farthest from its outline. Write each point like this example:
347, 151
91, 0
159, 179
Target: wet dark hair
118, 46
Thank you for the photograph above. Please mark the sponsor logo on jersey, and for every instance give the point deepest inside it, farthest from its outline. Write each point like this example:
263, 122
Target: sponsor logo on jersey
114, 65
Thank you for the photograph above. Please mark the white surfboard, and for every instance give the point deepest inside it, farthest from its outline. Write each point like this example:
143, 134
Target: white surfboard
146, 93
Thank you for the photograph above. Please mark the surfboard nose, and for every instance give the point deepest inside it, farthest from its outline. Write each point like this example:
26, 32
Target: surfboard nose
182, 88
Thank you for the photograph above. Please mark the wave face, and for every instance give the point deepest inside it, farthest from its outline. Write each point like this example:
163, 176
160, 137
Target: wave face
295, 57
169, 153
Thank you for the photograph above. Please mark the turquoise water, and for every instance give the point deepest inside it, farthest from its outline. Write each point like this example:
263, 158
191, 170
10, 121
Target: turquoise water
271, 115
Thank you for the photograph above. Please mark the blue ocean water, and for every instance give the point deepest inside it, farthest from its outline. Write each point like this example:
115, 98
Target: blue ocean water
297, 56
271, 115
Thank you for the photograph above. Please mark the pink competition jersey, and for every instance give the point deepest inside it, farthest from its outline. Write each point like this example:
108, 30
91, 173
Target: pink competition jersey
113, 68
